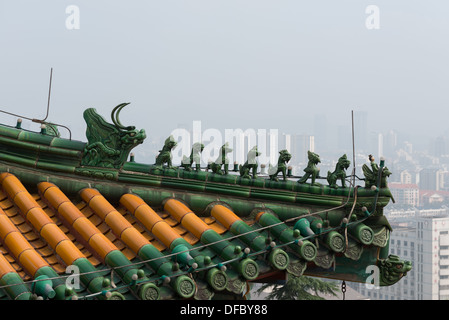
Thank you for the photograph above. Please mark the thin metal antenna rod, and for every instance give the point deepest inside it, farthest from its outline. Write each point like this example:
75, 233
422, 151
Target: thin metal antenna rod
48, 101
48, 110
49, 94
353, 146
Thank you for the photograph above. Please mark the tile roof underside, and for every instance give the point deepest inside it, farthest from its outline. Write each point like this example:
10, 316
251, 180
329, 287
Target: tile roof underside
42, 232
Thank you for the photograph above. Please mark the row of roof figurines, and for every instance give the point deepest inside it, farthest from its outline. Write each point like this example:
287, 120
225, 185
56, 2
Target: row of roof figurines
109, 144
249, 168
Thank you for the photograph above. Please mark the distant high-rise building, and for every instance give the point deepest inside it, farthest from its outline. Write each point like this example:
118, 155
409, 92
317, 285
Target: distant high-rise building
286, 142
320, 131
429, 179
390, 143
344, 138
361, 131
444, 180
440, 146
300, 144
424, 241
405, 194
383, 144
406, 177
376, 146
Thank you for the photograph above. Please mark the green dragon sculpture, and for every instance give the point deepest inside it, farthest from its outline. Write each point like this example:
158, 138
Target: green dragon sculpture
392, 270
109, 145
250, 164
194, 157
339, 172
284, 158
311, 170
165, 156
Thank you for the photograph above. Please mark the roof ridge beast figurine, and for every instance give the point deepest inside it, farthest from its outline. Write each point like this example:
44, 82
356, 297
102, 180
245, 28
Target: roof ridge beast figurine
311, 169
165, 155
284, 157
339, 172
250, 164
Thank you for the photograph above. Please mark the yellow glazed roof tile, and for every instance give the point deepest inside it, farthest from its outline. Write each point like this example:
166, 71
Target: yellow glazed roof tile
128, 253
24, 228
45, 251
158, 245
90, 249
171, 222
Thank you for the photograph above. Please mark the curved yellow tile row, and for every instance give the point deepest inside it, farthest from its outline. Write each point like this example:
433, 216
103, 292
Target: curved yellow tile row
43, 224
186, 217
224, 215
85, 228
150, 219
12, 238
118, 224
19, 247
5, 266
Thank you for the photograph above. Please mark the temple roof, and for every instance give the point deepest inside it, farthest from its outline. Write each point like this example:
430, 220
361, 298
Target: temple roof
130, 244
44, 232
80, 221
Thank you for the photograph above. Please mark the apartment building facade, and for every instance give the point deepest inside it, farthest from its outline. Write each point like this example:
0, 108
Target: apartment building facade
423, 240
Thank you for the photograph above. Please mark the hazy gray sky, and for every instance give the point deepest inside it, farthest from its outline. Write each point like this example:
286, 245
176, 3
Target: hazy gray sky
229, 63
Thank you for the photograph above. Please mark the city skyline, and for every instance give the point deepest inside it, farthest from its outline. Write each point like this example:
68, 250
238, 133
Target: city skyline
380, 144
228, 64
